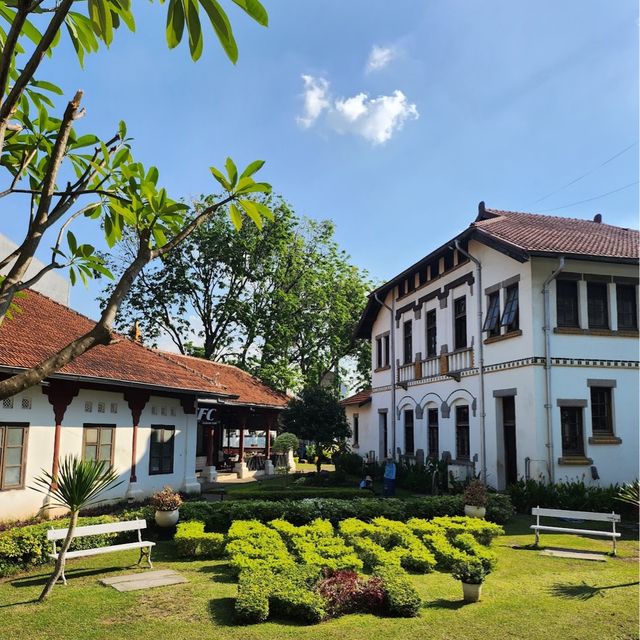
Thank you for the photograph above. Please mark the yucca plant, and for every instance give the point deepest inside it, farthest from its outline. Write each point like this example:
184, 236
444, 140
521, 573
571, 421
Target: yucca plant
630, 493
76, 486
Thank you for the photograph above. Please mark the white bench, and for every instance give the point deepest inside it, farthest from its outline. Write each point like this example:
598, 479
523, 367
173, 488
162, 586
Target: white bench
576, 515
98, 529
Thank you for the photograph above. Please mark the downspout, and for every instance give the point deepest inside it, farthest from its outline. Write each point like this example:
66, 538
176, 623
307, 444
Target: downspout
392, 340
547, 366
483, 437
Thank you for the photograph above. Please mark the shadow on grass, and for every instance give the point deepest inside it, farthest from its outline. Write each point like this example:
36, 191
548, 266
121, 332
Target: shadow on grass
441, 603
17, 604
221, 612
219, 574
584, 591
34, 581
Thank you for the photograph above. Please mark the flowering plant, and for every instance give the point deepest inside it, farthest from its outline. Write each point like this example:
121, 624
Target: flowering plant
475, 494
166, 500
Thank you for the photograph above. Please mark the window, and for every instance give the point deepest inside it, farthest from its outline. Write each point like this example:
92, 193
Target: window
462, 433
25, 403
385, 350
378, 353
601, 414
432, 336
460, 323
411, 283
572, 433
101, 407
114, 407
448, 260
409, 443
627, 306
88, 406
597, 305
433, 441
408, 341
356, 428
491, 324
382, 352
510, 315
7, 403
97, 442
161, 454
567, 303
13, 446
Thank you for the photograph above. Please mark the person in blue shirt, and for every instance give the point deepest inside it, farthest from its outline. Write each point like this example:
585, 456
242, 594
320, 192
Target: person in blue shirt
389, 478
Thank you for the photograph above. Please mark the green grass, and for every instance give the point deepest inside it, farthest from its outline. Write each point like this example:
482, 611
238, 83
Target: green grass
528, 596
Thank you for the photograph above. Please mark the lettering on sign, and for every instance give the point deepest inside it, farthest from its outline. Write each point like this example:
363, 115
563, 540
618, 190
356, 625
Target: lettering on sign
207, 416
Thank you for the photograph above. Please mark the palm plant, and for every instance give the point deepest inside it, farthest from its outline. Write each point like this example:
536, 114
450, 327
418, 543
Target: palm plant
76, 486
630, 493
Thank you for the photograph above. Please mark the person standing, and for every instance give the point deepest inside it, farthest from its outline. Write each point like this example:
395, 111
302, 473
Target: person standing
389, 478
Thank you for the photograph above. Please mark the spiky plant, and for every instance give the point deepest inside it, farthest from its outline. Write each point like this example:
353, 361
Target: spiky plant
630, 493
76, 486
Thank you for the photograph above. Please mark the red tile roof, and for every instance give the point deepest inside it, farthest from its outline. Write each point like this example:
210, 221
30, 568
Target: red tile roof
537, 233
360, 398
250, 390
44, 326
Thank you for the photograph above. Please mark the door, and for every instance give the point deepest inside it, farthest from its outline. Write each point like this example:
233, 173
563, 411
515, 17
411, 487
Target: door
509, 430
384, 437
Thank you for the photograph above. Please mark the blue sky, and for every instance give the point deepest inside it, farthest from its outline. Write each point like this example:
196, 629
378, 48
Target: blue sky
495, 100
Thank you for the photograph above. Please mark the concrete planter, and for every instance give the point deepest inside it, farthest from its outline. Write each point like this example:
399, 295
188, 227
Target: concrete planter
474, 512
167, 518
471, 592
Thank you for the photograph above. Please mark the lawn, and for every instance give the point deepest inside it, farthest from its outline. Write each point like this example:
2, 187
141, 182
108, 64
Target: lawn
528, 596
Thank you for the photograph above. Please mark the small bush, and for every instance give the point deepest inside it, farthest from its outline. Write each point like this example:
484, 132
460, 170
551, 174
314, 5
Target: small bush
166, 500
484, 532
349, 463
193, 542
286, 442
470, 571
252, 602
401, 597
347, 592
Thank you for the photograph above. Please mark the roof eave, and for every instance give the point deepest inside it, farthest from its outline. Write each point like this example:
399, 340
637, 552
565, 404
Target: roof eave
584, 256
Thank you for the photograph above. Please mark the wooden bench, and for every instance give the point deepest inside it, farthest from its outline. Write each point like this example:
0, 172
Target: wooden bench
98, 529
576, 515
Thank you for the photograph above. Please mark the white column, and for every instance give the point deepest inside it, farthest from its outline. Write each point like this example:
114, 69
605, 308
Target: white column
613, 306
190, 483
583, 309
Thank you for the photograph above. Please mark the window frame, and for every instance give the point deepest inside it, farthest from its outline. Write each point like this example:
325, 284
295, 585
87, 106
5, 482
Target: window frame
411, 430
407, 342
4, 426
492, 317
100, 426
634, 302
608, 406
385, 350
379, 352
459, 321
464, 427
575, 321
579, 424
511, 313
602, 288
431, 333
433, 426
356, 429
161, 472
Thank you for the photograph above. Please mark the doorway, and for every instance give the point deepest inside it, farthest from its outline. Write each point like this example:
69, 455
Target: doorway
383, 443
509, 431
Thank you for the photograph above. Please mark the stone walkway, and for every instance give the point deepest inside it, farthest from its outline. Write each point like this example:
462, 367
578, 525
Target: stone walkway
146, 580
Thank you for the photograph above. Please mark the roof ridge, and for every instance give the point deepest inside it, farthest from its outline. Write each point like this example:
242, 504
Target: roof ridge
505, 213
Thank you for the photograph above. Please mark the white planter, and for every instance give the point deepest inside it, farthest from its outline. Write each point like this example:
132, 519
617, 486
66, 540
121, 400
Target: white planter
167, 518
474, 512
471, 592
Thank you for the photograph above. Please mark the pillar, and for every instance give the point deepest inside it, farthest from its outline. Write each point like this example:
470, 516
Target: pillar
240, 467
190, 483
268, 465
137, 401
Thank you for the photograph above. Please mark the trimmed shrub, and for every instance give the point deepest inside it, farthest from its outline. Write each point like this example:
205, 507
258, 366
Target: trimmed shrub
401, 597
470, 545
252, 602
193, 542
445, 553
484, 532
347, 592
349, 463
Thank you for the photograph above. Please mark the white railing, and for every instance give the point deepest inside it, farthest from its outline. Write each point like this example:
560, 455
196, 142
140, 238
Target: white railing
406, 372
459, 360
430, 367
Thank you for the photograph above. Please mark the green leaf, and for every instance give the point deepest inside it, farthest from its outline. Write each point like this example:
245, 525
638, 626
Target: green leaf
236, 216
72, 242
194, 28
265, 212
254, 187
175, 23
252, 168
252, 212
222, 27
47, 86
219, 176
232, 172
254, 9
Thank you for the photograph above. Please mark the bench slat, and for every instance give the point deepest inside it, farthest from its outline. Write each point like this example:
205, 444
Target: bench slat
576, 515
586, 532
115, 547
97, 529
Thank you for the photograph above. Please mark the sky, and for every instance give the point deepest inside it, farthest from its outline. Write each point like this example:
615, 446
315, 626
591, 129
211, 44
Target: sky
392, 119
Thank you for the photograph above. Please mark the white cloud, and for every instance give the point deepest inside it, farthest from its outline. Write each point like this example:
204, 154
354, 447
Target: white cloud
374, 119
315, 100
380, 57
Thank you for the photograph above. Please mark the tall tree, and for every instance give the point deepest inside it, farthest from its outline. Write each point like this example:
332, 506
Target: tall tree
280, 302
66, 176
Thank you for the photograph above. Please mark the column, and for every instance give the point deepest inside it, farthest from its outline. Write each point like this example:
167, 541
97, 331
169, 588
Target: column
136, 400
240, 467
190, 483
268, 465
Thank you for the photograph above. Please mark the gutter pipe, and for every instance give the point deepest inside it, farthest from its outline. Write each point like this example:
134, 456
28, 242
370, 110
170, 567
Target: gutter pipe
483, 414
547, 366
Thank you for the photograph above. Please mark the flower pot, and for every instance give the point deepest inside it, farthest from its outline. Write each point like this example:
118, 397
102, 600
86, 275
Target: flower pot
474, 512
167, 518
471, 592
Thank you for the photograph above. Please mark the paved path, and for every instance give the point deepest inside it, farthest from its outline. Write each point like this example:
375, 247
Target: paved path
146, 580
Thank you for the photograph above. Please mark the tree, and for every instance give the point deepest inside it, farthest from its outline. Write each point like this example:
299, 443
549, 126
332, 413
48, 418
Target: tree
317, 416
280, 302
77, 486
63, 170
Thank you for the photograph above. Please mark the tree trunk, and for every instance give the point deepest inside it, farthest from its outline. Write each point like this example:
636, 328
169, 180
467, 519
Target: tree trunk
61, 557
318, 457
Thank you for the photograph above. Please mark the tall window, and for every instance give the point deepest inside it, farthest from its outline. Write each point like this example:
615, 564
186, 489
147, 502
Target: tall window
462, 433
511, 315
356, 428
572, 432
567, 303
432, 335
378, 353
491, 321
433, 440
409, 447
597, 305
601, 414
627, 306
13, 446
460, 323
385, 350
408, 341
162, 443
98, 442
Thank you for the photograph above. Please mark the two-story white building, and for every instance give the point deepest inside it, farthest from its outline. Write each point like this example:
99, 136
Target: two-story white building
512, 350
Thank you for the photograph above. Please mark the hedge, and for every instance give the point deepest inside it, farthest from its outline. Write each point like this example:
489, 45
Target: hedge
24, 547
401, 597
193, 542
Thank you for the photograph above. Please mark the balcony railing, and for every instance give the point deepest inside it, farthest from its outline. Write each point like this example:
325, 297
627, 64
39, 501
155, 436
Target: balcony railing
431, 367
460, 360
435, 366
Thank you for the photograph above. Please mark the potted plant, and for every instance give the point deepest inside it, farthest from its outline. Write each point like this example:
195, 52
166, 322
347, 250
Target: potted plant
167, 505
475, 499
472, 574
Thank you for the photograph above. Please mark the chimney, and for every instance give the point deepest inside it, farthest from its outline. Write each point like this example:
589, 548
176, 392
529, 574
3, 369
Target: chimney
135, 333
481, 209
597, 218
